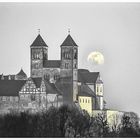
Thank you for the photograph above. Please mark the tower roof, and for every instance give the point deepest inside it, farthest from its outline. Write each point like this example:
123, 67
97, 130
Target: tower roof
39, 41
22, 73
69, 41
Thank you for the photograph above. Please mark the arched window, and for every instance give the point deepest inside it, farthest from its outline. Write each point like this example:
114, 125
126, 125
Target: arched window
97, 89
100, 89
75, 54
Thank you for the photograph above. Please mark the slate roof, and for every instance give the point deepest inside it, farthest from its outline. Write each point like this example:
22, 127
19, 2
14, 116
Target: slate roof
39, 41
83, 70
66, 89
37, 81
84, 90
10, 87
52, 63
69, 41
22, 73
87, 77
51, 88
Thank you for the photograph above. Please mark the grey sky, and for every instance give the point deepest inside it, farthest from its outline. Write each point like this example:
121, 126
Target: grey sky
112, 29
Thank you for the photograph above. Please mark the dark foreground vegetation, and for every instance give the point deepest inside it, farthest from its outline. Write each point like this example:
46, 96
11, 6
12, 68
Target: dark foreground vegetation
64, 122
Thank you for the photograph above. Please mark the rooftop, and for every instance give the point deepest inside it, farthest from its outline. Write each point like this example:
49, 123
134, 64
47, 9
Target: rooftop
52, 63
10, 87
39, 42
69, 41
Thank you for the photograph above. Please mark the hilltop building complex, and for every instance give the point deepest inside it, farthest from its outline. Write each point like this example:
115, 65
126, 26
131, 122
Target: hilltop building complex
52, 82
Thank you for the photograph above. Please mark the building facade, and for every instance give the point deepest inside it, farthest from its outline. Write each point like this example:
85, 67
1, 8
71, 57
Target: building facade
52, 82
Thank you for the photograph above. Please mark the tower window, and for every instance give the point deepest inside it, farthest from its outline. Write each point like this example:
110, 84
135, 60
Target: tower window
47, 76
100, 89
97, 89
75, 54
75, 65
66, 65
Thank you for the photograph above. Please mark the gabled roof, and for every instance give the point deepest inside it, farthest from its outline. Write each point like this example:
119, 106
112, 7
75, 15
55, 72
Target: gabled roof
69, 41
22, 73
99, 81
10, 87
51, 88
52, 63
39, 42
87, 77
37, 81
84, 90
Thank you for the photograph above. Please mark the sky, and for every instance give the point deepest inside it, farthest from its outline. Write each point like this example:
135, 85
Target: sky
110, 28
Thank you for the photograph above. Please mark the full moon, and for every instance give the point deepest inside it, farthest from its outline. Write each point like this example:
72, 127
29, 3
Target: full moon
96, 58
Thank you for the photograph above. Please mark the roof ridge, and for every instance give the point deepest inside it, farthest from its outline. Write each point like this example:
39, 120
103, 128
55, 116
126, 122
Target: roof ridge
69, 41
39, 41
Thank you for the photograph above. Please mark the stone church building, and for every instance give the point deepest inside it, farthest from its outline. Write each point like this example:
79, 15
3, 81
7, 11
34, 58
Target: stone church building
52, 82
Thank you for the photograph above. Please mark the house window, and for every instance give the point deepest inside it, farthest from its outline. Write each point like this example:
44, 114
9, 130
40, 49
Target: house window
42, 89
83, 100
88, 101
33, 97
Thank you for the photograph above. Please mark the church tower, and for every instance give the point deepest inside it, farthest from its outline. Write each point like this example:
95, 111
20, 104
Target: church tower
69, 66
39, 53
99, 94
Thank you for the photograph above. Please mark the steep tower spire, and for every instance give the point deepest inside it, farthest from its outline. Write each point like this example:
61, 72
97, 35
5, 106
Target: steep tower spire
69, 66
39, 42
39, 54
69, 41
